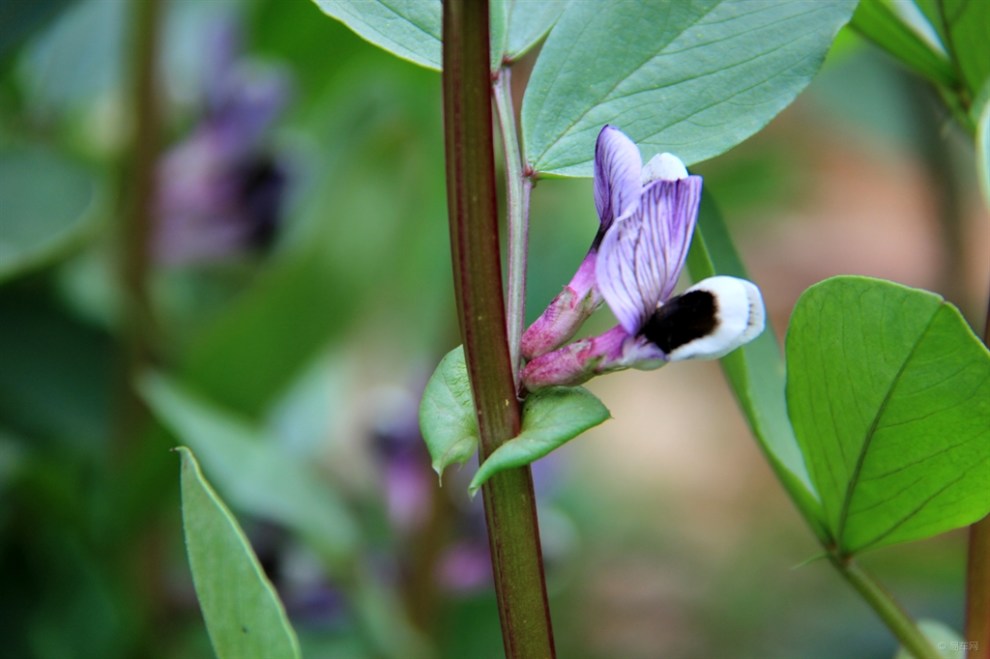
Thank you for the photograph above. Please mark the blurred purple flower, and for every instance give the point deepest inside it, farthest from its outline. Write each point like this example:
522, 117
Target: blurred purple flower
647, 220
220, 191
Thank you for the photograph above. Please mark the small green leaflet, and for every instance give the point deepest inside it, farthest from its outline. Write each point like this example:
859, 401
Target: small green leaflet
446, 413
243, 614
889, 394
551, 417
447, 420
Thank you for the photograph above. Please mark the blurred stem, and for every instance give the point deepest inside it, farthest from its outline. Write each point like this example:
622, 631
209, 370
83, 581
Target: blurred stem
518, 185
510, 506
896, 619
138, 193
978, 571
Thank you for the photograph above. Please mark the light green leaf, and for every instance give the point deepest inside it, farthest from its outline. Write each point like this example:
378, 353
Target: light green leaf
253, 472
889, 394
943, 638
529, 21
551, 417
875, 20
243, 614
47, 206
446, 413
756, 372
693, 78
410, 29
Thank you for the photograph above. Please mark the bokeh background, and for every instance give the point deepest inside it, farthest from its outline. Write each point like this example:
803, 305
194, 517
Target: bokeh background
299, 280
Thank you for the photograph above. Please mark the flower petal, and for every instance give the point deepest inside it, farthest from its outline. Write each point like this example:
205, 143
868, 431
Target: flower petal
618, 169
664, 167
643, 253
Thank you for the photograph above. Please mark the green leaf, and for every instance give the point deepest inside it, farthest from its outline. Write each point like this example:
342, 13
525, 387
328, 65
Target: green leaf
691, 78
889, 394
529, 21
966, 22
410, 29
875, 20
36, 224
551, 417
943, 638
446, 413
254, 473
243, 613
756, 372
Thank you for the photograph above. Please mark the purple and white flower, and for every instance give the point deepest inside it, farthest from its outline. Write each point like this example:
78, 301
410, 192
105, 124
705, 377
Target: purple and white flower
647, 217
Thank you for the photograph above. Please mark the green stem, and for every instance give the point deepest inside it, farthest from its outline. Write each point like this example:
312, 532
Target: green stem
896, 619
138, 191
517, 190
510, 506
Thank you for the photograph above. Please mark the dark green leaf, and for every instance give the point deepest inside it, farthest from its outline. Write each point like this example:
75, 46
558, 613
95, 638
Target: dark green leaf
48, 205
756, 371
691, 78
551, 417
875, 20
889, 394
243, 614
254, 473
967, 24
446, 413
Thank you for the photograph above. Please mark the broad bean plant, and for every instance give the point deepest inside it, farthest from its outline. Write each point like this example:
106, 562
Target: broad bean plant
872, 412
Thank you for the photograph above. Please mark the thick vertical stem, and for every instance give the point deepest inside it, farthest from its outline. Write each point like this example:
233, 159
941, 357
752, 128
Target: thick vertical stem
978, 574
510, 506
138, 192
517, 188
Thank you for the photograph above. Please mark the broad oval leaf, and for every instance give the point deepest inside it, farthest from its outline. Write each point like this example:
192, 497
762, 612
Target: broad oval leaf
551, 417
35, 224
255, 474
446, 413
410, 29
889, 394
692, 78
756, 372
244, 616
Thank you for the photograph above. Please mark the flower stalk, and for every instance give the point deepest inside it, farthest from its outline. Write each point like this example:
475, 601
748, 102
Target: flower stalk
510, 507
978, 572
518, 186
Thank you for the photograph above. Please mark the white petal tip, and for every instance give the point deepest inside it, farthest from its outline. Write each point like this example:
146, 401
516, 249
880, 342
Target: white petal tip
737, 317
664, 167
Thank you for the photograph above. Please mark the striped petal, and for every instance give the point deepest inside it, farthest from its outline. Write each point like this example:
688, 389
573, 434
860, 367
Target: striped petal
642, 255
618, 173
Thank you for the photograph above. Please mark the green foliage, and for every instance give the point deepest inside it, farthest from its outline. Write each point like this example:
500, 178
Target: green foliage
889, 394
529, 21
254, 473
447, 420
651, 68
446, 413
411, 29
551, 417
964, 25
242, 611
756, 371
36, 225
876, 20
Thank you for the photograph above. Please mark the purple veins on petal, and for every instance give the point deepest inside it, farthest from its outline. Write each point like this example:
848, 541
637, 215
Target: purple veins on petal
641, 257
618, 173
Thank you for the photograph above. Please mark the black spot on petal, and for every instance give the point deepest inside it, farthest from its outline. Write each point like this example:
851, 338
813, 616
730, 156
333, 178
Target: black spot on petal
681, 320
